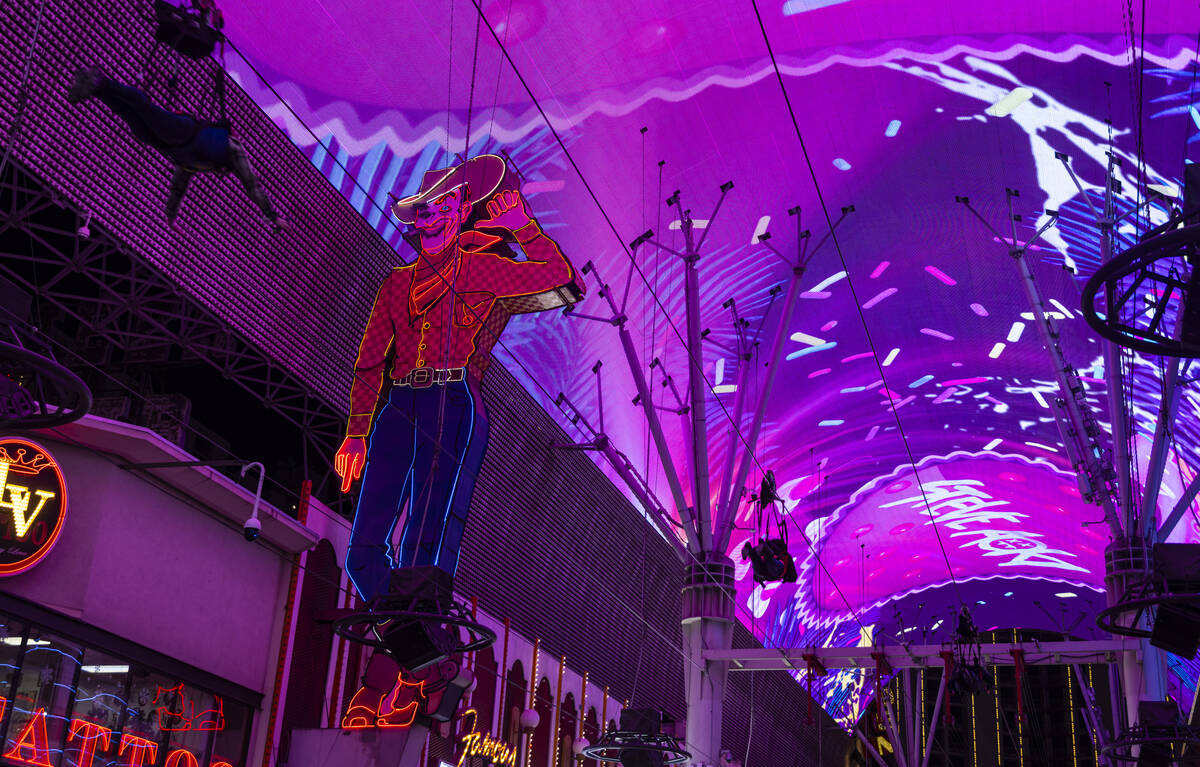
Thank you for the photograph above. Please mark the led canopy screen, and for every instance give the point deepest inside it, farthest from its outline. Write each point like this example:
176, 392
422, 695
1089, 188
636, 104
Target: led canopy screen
912, 346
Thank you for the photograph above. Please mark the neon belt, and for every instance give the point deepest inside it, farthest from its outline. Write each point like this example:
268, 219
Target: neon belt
423, 378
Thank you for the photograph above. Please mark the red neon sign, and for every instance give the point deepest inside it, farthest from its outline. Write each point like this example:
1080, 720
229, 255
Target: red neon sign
172, 711
33, 504
31, 745
93, 736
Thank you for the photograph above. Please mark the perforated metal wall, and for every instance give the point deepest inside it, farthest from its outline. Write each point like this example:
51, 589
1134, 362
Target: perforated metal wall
301, 296
552, 543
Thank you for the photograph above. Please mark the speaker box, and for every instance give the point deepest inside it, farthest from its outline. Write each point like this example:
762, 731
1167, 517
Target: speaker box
1156, 714
415, 644
1178, 564
1191, 307
420, 589
1177, 629
1191, 186
647, 721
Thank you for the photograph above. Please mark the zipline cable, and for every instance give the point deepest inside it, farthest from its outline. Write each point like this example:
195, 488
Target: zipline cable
854, 295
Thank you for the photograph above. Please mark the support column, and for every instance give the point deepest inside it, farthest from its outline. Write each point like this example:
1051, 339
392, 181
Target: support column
707, 625
1127, 562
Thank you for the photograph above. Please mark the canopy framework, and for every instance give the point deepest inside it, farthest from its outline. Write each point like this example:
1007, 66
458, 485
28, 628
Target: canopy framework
134, 307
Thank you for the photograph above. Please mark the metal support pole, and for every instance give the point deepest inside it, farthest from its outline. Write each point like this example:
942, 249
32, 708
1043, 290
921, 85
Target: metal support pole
1120, 432
889, 722
870, 749
652, 421
697, 385
621, 465
1181, 507
1112, 353
933, 723
1062, 372
731, 449
1112, 374
1168, 408
1089, 711
729, 504
912, 715
1114, 697
656, 433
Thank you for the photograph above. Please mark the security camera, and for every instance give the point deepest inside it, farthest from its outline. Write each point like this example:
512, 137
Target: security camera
251, 529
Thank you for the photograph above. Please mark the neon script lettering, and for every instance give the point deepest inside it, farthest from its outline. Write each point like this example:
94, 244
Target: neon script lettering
483, 745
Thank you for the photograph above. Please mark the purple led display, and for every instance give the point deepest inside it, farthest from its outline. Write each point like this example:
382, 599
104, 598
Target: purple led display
915, 322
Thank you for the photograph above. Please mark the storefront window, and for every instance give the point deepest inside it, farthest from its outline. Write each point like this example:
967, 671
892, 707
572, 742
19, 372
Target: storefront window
143, 719
42, 698
100, 699
70, 706
193, 727
229, 743
12, 639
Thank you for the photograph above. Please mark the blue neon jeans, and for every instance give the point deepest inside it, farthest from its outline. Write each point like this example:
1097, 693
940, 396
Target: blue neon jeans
430, 468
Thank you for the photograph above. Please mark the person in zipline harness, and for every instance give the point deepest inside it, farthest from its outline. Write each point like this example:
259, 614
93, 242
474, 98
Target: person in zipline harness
192, 144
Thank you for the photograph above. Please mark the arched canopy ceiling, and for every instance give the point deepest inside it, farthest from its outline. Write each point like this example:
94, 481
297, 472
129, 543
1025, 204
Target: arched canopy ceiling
915, 321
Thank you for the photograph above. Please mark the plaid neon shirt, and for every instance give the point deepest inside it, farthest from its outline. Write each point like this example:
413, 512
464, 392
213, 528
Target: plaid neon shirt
447, 311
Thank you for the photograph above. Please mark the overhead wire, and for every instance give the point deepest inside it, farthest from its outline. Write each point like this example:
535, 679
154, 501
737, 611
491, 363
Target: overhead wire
528, 374
854, 296
499, 75
581, 571
1188, 125
375, 203
578, 567
658, 301
1141, 126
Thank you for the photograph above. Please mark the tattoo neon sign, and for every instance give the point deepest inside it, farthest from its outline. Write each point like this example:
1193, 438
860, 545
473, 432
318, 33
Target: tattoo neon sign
31, 745
33, 504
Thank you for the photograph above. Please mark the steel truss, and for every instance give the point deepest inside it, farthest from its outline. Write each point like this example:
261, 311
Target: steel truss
902, 723
923, 656
134, 307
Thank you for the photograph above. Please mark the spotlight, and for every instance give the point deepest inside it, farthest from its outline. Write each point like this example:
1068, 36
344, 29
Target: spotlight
85, 231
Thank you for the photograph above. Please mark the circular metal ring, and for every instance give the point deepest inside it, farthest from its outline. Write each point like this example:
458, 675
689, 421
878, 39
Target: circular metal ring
356, 627
1140, 256
1103, 617
1122, 750
611, 746
73, 395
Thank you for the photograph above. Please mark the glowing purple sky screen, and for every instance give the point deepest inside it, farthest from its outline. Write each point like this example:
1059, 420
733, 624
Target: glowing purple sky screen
890, 97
